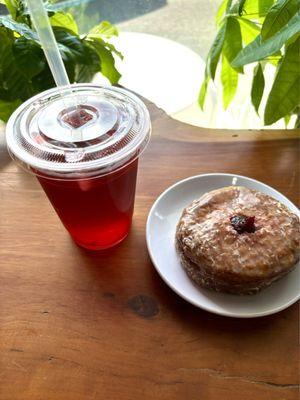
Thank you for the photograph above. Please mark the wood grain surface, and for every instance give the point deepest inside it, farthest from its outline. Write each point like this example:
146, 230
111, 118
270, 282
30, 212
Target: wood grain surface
79, 325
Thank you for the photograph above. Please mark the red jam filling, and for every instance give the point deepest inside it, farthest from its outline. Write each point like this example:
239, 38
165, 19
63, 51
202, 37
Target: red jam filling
242, 223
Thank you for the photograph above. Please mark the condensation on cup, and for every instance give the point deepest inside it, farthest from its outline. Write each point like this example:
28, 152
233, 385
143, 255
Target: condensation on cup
83, 146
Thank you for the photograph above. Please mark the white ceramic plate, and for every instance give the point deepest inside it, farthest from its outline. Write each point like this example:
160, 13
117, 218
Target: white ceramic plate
161, 225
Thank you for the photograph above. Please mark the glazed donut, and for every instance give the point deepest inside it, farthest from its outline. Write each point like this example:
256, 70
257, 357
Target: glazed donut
237, 240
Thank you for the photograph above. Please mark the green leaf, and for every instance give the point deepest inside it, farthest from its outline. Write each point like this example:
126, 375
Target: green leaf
233, 40
278, 16
29, 57
64, 20
229, 79
203, 91
20, 28
13, 82
228, 6
234, 9
71, 46
107, 61
44, 80
215, 51
284, 96
23, 67
258, 85
258, 49
7, 108
112, 48
264, 6
85, 72
292, 39
256, 8
104, 30
221, 12
241, 7
6, 42
70, 68
250, 30
287, 119
12, 6
274, 59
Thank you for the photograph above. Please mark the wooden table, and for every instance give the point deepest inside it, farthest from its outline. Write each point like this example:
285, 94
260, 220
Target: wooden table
83, 325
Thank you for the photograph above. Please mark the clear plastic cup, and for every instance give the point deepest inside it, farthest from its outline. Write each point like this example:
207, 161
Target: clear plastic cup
83, 146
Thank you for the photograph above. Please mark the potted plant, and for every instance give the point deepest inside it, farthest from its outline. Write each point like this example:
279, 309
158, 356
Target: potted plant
24, 71
264, 32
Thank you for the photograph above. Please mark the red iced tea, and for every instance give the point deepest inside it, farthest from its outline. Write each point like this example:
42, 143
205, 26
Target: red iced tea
83, 143
97, 212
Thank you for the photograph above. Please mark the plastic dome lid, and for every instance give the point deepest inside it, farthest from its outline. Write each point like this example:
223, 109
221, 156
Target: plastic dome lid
78, 132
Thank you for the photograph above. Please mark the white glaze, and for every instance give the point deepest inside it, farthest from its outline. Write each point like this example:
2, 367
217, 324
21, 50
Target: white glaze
218, 252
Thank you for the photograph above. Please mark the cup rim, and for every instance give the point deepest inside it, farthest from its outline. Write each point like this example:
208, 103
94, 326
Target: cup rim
85, 169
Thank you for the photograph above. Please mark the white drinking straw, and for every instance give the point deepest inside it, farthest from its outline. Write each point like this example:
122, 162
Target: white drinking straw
48, 42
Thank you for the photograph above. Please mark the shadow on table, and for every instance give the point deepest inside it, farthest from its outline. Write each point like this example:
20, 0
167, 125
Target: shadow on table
200, 320
139, 278
5, 159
